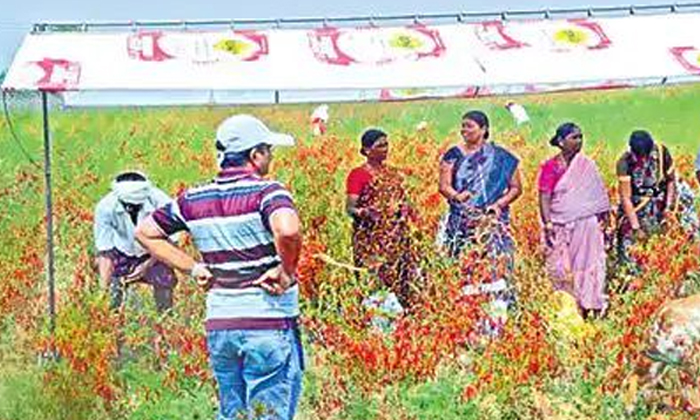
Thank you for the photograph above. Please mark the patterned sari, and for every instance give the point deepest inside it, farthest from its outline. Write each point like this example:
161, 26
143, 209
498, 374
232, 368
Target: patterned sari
486, 173
648, 177
382, 243
483, 243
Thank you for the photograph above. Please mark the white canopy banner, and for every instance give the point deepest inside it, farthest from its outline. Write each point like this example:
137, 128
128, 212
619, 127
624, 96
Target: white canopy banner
364, 63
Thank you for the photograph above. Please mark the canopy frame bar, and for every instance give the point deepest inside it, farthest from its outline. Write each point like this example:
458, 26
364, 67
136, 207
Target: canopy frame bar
83, 26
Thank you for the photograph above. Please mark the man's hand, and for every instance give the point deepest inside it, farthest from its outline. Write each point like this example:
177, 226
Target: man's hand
105, 268
202, 275
139, 272
275, 281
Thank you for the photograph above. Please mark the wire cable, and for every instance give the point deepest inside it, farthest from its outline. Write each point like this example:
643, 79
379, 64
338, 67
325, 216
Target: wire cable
13, 133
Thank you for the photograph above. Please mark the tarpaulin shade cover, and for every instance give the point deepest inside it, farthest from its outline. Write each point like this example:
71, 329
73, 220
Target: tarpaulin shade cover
152, 67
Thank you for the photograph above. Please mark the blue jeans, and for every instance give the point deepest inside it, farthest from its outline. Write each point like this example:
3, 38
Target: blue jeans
258, 372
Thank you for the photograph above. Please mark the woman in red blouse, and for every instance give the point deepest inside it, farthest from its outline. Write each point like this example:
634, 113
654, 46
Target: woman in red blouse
376, 201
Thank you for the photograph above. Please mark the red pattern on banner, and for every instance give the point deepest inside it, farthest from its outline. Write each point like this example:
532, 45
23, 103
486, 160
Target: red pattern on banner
495, 35
259, 39
325, 46
58, 74
502, 41
400, 95
680, 54
135, 46
603, 40
570, 87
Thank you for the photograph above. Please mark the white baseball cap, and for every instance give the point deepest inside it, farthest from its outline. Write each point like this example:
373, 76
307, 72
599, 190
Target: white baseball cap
243, 132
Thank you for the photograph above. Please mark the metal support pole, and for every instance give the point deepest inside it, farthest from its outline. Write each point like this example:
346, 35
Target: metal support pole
49, 222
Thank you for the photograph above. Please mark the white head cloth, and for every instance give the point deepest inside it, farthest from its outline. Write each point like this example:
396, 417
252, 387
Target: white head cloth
134, 192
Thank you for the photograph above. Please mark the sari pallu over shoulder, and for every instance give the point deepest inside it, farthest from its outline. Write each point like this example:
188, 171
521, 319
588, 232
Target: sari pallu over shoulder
580, 193
575, 257
486, 173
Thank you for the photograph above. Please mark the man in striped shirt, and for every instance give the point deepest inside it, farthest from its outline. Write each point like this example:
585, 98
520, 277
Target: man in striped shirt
248, 233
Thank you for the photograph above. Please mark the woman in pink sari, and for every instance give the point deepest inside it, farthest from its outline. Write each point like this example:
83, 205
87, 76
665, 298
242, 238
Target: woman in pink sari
573, 202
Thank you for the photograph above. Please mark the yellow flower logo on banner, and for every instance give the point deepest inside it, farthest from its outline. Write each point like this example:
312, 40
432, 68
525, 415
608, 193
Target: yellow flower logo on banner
233, 46
572, 36
406, 41
697, 58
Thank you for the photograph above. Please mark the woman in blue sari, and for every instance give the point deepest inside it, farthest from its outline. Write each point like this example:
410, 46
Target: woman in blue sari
480, 180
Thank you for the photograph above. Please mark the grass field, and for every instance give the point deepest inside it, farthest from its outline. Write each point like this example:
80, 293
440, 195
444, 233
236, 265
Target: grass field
421, 371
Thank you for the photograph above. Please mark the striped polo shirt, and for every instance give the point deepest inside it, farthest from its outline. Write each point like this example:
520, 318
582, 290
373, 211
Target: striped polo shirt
229, 221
